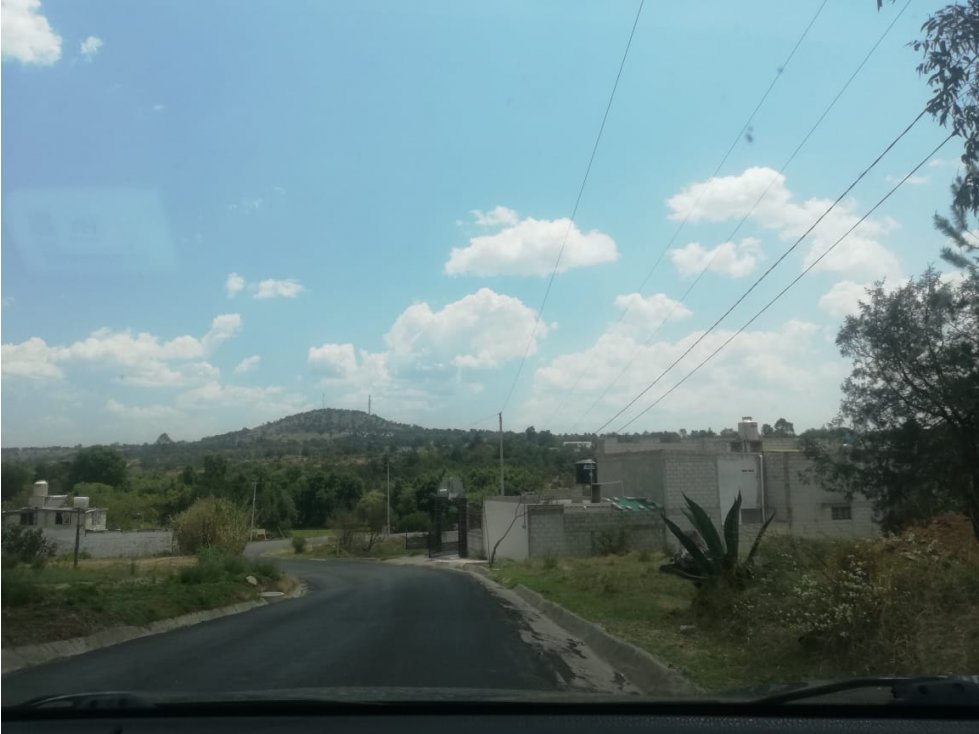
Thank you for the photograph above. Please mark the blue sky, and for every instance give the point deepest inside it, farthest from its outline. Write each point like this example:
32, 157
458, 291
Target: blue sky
216, 214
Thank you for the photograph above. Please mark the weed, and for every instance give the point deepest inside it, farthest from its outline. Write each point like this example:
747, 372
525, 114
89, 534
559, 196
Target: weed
298, 544
549, 562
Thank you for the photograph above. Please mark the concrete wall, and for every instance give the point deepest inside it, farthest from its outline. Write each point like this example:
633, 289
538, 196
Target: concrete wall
807, 507
113, 543
693, 475
475, 543
556, 530
499, 514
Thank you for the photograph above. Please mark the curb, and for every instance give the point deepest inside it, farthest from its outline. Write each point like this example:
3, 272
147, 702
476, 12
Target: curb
28, 656
652, 676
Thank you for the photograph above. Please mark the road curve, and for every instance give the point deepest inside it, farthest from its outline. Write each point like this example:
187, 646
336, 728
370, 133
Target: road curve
362, 624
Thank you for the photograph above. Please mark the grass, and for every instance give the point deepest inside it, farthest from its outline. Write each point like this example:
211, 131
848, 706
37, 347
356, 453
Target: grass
312, 533
384, 548
814, 610
60, 602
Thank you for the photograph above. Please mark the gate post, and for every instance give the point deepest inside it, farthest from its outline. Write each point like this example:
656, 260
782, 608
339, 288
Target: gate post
462, 511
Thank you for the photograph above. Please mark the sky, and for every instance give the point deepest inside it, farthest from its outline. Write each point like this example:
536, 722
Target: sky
220, 213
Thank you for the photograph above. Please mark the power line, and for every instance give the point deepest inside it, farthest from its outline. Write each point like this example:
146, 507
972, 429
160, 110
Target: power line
574, 210
737, 228
727, 154
775, 264
782, 292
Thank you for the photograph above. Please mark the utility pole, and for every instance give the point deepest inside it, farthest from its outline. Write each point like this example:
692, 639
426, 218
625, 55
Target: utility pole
254, 492
368, 405
79, 519
389, 494
501, 454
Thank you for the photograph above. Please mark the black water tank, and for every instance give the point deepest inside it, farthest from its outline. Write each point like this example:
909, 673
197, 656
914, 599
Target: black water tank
585, 471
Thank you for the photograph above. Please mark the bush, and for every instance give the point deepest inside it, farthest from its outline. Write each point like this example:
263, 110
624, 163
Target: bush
550, 562
415, 522
20, 587
211, 523
298, 544
27, 545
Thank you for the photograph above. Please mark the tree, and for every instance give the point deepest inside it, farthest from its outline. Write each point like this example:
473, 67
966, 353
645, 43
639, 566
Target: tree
100, 465
784, 428
767, 430
372, 512
14, 479
211, 523
910, 409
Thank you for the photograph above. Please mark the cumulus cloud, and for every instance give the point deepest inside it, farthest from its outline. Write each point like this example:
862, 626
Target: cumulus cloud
481, 330
25, 34
234, 285
140, 359
645, 313
528, 247
140, 412
341, 359
498, 215
248, 364
843, 298
732, 197
90, 47
734, 260
271, 288
763, 372
264, 289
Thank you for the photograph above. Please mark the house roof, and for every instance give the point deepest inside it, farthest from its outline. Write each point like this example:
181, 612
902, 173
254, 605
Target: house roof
633, 504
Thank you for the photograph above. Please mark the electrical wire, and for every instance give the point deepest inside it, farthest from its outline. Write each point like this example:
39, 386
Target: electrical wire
774, 265
677, 303
574, 210
782, 292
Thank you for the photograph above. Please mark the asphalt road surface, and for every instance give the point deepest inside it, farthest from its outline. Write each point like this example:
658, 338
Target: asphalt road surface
362, 624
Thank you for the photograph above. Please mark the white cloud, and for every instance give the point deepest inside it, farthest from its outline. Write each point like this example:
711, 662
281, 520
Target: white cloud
787, 370
141, 412
529, 247
732, 197
33, 359
339, 358
843, 298
481, 330
498, 215
26, 35
139, 359
234, 285
911, 181
730, 259
271, 288
90, 47
247, 364
645, 313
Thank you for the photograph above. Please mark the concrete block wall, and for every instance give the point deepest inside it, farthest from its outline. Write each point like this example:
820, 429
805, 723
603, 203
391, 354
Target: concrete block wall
475, 543
638, 474
113, 543
554, 531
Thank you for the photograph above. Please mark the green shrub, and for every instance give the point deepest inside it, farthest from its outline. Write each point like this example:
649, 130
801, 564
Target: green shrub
265, 568
20, 587
211, 523
550, 562
27, 545
645, 556
298, 544
415, 522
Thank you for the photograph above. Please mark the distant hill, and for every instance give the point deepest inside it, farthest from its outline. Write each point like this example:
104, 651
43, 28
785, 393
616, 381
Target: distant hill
326, 423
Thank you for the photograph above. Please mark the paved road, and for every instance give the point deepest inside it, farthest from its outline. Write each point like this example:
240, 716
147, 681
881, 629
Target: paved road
362, 624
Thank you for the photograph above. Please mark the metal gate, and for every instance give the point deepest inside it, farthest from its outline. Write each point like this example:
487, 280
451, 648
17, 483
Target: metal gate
448, 535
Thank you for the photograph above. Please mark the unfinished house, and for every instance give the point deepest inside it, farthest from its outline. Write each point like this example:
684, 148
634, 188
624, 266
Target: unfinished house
770, 473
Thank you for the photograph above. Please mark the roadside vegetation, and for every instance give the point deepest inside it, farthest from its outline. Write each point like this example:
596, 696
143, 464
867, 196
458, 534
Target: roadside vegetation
45, 599
813, 609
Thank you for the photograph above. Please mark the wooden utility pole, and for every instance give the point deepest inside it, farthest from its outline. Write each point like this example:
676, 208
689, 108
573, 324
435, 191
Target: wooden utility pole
79, 519
501, 454
389, 494
254, 492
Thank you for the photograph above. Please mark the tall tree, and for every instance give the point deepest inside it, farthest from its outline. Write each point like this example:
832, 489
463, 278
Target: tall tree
911, 403
98, 464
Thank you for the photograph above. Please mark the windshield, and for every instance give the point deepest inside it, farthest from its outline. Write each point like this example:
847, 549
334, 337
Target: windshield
464, 349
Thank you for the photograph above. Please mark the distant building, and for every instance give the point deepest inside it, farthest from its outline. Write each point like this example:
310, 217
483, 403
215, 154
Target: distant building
586, 445
51, 511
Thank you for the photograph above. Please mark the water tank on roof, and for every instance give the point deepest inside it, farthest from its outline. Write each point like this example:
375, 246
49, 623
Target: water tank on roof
41, 489
585, 471
80, 503
748, 429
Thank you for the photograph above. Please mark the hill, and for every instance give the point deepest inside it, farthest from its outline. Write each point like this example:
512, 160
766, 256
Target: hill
326, 423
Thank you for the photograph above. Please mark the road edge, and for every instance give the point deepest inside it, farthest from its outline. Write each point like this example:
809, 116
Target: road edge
29, 656
646, 672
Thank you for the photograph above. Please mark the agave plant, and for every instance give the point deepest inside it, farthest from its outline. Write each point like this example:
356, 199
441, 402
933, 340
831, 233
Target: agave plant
715, 557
